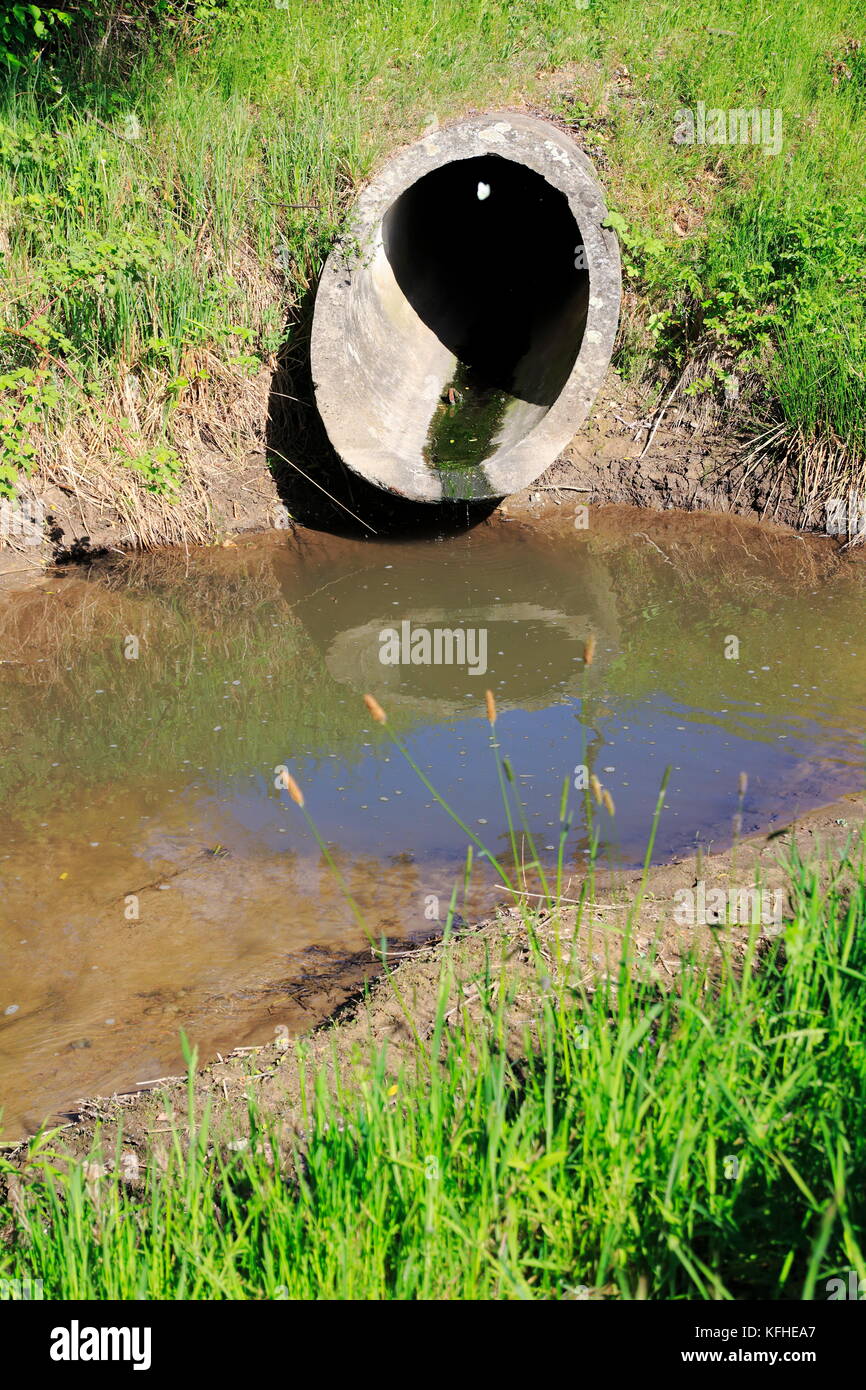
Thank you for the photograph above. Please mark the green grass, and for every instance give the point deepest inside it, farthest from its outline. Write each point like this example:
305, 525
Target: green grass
701, 1141
159, 224
706, 1143
164, 209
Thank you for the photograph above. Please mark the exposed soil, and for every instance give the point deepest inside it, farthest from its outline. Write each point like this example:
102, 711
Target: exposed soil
85, 517
695, 461
350, 1022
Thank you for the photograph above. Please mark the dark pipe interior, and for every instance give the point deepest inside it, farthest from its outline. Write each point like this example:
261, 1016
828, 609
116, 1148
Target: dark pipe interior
494, 278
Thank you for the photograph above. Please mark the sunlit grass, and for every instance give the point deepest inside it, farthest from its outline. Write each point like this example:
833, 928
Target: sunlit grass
161, 221
702, 1140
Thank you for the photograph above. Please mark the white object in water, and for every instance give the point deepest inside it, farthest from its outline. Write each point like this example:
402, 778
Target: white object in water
483, 191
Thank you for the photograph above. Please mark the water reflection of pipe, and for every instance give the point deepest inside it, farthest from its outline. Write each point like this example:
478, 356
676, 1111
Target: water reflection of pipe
528, 610
355, 658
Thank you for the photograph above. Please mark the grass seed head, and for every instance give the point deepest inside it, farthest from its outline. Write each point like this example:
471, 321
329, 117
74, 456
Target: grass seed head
589, 650
491, 706
375, 709
291, 786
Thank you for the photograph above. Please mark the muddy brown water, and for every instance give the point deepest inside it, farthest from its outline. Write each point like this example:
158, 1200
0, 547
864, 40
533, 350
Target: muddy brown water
154, 878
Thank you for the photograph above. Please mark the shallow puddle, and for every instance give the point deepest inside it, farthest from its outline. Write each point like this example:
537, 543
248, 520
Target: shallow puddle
154, 877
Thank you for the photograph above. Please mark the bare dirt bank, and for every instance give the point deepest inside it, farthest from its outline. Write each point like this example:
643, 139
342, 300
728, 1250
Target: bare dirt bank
656, 456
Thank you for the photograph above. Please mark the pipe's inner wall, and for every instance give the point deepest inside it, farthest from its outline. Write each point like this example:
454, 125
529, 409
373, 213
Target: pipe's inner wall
498, 278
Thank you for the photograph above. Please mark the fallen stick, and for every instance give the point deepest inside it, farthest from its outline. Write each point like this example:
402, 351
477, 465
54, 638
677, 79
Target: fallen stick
573, 902
658, 419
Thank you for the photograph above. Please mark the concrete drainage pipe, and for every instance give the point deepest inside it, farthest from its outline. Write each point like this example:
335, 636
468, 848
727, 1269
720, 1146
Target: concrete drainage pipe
464, 325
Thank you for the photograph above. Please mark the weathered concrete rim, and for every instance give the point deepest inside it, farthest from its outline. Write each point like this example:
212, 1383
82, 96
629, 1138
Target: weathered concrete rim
354, 274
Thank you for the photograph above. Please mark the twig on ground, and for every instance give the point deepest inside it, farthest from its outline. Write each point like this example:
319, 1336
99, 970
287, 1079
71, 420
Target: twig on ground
658, 419
572, 902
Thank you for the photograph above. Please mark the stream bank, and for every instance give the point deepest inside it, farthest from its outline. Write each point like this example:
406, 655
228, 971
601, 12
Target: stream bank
361, 1008
694, 460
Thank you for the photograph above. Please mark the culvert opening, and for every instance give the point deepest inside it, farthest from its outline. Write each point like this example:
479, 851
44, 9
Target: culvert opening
464, 325
491, 259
